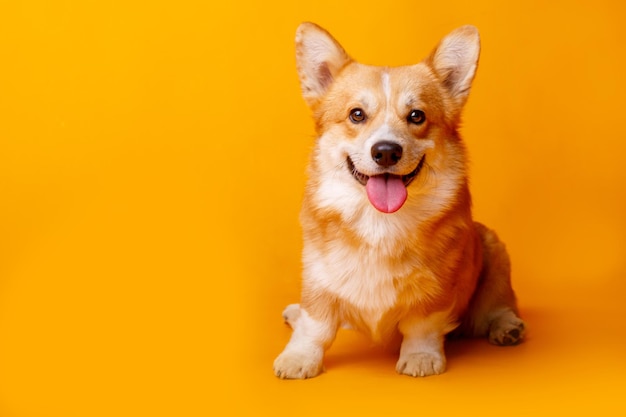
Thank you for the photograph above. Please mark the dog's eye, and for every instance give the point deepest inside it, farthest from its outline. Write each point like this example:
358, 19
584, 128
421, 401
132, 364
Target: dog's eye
357, 116
417, 117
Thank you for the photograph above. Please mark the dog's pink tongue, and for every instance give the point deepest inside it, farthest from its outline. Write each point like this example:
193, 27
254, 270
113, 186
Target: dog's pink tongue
386, 192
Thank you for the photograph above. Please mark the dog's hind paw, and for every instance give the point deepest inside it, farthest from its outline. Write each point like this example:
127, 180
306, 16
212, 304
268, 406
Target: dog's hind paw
507, 330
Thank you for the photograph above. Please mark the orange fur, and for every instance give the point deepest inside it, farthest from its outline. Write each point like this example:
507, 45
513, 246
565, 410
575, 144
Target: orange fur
422, 268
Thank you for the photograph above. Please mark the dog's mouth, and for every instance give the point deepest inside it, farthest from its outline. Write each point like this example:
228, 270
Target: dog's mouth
387, 192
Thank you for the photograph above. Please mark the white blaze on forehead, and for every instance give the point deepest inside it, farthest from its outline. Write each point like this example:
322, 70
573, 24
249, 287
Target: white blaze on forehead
386, 86
387, 90
384, 131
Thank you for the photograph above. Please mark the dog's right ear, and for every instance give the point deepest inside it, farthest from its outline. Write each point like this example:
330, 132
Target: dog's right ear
319, 58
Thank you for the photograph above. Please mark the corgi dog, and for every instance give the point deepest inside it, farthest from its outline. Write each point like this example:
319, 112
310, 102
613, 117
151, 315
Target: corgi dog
390, 246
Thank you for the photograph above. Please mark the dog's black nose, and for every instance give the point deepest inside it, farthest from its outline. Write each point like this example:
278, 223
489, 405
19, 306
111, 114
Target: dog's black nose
386, 153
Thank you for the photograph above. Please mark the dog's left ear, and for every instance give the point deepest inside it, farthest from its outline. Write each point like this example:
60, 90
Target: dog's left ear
455, 60
319, 58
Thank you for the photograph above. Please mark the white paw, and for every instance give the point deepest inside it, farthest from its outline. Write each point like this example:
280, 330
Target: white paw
421, 364
507, 330
296, 365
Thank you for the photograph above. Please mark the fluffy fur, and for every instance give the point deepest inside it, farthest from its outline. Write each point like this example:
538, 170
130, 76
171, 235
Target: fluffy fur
416, 269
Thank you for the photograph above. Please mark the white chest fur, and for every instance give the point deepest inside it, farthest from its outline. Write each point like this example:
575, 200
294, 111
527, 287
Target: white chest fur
364, 277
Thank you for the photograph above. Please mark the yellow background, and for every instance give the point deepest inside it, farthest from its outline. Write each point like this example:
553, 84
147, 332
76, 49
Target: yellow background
152, 160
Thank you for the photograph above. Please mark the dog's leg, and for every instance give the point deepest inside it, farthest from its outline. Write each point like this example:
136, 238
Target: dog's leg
421, 352
493, 310
303, 355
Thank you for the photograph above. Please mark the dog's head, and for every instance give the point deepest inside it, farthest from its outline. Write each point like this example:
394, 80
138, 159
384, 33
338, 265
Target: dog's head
381, 128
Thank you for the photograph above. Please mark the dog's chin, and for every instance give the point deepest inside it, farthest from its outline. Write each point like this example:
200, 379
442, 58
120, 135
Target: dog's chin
406, 179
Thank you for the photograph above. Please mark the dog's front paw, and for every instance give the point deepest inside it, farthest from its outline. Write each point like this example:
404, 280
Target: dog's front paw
507, 330
421, 364
297, 365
